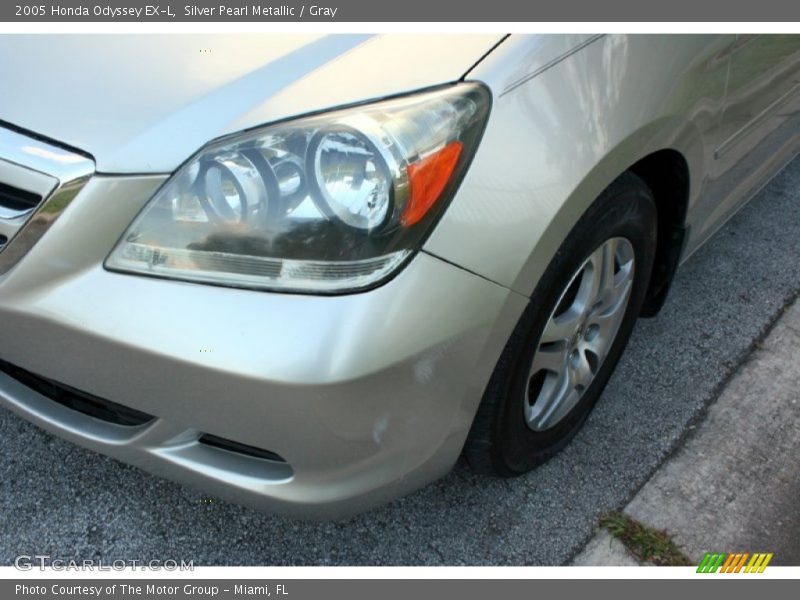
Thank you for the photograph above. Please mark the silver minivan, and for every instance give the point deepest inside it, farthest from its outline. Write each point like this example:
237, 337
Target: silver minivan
307, 273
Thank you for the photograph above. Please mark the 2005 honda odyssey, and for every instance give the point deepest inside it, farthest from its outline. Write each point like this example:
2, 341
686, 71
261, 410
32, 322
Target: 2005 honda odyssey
308, 273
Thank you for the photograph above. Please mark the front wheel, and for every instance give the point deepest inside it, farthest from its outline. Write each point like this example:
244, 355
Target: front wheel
570, 337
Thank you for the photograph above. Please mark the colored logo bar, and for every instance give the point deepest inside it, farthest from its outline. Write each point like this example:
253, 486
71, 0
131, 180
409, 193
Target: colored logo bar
734, 563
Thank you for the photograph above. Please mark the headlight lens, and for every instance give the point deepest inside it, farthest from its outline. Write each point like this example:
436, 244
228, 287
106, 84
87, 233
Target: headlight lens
354, 182
324, 204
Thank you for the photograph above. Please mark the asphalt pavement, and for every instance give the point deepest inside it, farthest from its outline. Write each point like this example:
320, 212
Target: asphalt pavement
58, 499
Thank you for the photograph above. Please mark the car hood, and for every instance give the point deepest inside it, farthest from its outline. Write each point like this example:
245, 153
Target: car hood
145, 103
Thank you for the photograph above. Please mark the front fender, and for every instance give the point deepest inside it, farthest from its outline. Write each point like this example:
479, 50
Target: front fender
554, 141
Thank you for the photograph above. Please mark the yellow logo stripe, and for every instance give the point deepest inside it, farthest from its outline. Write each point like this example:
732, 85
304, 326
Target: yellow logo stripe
751, 563
765, 563
758, 563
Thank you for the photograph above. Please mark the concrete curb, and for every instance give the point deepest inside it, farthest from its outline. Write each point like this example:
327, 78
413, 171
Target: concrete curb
734, 484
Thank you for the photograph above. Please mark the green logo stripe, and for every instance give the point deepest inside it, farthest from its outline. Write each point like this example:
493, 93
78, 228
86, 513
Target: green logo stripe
702, 566
711, 562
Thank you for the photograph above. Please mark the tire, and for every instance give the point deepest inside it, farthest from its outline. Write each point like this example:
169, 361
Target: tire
517, 426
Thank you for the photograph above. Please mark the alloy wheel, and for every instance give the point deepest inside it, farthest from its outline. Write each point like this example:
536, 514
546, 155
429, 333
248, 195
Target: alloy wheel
579, 333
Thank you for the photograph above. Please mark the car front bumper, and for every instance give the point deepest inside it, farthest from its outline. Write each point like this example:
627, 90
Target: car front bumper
366, 396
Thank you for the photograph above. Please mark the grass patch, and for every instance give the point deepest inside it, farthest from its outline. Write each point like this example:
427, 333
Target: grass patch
645, 543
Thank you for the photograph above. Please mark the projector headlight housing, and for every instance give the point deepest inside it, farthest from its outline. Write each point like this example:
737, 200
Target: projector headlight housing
326, 204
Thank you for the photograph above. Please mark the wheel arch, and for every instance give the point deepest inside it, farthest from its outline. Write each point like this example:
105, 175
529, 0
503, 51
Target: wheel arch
666, 173
668, 156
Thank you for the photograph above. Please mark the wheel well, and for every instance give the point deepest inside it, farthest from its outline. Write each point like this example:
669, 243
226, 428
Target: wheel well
667, 175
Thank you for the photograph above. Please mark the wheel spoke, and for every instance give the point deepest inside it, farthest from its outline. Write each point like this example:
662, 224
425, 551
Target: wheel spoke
591, 286
609, 320
561, 328
607, 272
557, 410
619, 298
552, 394
549, 357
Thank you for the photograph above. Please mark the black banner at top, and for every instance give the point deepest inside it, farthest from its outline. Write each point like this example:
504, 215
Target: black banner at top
405, 11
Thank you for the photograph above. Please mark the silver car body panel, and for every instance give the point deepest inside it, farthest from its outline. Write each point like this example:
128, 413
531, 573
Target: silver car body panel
366, 396
582, 121
308, 377
145, 103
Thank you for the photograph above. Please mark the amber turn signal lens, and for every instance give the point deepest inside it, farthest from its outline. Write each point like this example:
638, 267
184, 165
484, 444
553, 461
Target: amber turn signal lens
427, 179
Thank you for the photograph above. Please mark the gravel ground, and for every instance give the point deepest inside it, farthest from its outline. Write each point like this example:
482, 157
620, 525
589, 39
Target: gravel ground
59, 499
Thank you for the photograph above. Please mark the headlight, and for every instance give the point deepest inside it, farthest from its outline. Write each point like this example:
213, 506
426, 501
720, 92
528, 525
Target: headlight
323, 204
